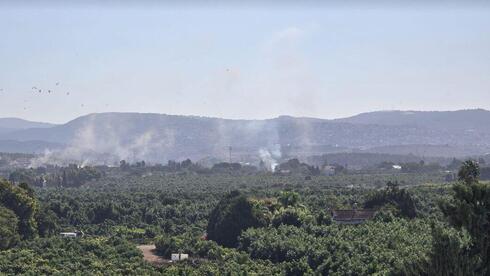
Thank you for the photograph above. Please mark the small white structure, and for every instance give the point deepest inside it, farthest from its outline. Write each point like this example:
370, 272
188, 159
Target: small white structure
179, 257
68, 234
397, 167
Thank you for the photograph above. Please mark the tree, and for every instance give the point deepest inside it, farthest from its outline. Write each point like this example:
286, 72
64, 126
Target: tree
470, 210
22, 176
287, 198
288, 216
167, 245
393, 196
23, 204
469, 172
9, 235
47, 223
450, 253
298, 267
233, 214
104, 211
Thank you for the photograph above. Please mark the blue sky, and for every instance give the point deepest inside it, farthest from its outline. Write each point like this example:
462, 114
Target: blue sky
241, 62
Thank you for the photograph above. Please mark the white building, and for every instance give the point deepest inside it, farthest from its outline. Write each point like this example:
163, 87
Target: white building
68, 234
179, 257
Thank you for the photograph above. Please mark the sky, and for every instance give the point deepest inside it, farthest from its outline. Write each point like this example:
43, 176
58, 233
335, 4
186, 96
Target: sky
241, 62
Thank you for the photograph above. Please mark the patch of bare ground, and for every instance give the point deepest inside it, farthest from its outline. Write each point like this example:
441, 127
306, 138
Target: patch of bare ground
150, 255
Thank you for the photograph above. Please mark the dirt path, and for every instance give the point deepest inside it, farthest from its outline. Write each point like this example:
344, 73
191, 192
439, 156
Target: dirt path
149, 254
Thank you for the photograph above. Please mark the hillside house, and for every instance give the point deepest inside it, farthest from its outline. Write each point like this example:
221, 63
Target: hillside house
352, 216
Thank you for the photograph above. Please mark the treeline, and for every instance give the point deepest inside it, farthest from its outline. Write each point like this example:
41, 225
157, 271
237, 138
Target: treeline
75, 176
55, 176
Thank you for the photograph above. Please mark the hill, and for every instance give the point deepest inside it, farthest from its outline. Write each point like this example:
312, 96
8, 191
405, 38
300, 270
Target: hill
160, 137
462, 120
32, 146
16, 123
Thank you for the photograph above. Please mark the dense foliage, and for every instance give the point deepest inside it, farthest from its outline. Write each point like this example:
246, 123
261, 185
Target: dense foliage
375, 247
233, 220
9, 235
393, 196
88, 256
233, 214
20, 199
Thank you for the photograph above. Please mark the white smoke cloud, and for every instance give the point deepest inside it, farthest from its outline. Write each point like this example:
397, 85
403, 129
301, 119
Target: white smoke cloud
103, 144
270, 157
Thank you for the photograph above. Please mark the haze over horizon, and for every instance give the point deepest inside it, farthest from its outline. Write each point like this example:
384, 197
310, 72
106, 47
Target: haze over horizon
242, 63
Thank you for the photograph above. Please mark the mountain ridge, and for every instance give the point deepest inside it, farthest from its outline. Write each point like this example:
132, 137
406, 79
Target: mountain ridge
353, 118
458, 119
12, 124
160, 137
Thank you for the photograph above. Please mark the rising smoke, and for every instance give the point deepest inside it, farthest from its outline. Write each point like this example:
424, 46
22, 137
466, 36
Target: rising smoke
94, 143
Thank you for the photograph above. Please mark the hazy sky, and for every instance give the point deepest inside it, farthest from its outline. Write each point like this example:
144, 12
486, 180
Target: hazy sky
241, 62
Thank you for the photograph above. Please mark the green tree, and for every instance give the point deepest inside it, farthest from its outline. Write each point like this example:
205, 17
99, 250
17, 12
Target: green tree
288, 216
393, 196
233, 214
166, 245
47, 223
23, 204
287, 198
470, 210
450, 253
469, 172
9, 235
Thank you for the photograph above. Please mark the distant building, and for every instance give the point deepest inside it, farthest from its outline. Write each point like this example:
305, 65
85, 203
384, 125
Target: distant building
397, 167
68, 234
76, 234
175, 257
352, 216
